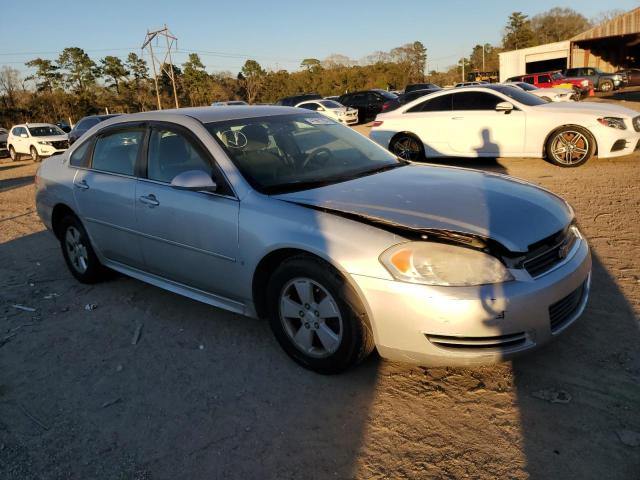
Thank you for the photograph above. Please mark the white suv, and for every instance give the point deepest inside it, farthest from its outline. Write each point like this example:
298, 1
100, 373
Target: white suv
37, 140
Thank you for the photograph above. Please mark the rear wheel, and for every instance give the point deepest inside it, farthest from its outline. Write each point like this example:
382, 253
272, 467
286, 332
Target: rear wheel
570, 146
407, 147
78, 252
34, 154
317, 317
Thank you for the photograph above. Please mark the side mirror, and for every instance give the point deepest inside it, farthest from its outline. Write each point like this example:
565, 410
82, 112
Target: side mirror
24, 135
195, 181
505, 107
321, 109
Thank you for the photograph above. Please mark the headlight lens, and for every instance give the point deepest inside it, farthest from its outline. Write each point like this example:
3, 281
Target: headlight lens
441, 264
613, 122
44, 142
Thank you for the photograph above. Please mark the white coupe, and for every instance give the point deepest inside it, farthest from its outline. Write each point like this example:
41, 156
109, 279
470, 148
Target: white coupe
502, 121
332, 109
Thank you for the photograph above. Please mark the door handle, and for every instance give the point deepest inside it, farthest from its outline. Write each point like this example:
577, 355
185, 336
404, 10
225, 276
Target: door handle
150, 200
82, 184
457, 118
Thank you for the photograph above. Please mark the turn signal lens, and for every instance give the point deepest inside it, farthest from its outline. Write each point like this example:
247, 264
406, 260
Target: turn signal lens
377, 123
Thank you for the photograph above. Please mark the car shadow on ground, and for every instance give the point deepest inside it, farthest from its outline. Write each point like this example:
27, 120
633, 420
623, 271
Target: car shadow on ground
208, 394
578, 397
11, 183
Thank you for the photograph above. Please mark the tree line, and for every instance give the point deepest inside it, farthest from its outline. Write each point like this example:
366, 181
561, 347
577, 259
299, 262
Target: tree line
75, 85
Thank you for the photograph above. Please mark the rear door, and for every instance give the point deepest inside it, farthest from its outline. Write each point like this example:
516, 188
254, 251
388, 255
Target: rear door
187, 237
479, 130
431, 121
544, 81
104, 191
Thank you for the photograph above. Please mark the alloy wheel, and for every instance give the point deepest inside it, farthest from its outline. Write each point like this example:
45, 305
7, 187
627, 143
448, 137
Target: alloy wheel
311, 317
570, 147
407, 148
76, 250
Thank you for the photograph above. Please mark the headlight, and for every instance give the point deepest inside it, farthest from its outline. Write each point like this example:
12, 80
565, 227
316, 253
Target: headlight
613, 122
584, 83
441, 264
44, 142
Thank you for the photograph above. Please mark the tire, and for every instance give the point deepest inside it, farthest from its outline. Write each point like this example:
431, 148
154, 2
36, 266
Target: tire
606, 86
13, 154
78, 253
34, 154
407, 147
570, 146
325, 329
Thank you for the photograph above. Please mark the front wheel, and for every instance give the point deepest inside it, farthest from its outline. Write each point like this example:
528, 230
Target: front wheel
570, 146
407, 147
316, 316
34, 154
606, 86
13, 154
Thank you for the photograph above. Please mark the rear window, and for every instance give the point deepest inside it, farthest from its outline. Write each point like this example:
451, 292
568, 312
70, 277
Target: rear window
437, 104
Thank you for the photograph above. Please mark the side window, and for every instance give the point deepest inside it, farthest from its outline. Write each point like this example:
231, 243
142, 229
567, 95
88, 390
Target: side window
310, 106
475, 101
170, 154
590, 71
544, 79
529, 80
438, 104
117, 152
80, 157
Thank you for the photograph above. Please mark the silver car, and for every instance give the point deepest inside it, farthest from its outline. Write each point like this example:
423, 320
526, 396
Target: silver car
276, 213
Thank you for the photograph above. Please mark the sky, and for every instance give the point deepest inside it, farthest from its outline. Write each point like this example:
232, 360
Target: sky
276, 33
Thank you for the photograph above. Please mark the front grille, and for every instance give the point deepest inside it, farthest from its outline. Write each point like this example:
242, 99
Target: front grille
60, 144
619, 145
469, 343
545, 257
636, 123
3, 144
562, 311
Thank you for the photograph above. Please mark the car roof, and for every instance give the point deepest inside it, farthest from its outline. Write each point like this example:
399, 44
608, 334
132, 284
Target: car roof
208, 114
34, 125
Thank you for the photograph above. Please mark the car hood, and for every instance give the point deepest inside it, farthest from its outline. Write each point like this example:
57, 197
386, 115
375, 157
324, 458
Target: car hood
423, 197
595, 108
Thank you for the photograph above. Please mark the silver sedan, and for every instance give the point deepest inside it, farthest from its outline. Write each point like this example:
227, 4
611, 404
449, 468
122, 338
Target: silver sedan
276, 213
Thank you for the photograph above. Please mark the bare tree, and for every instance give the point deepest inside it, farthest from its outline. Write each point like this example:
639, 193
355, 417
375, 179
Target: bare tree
9, 85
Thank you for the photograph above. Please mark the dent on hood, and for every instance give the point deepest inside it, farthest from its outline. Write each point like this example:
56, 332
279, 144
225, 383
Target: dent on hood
452, 237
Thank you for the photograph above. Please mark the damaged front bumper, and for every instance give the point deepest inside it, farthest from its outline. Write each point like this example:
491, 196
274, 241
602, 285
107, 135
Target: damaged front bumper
432, 326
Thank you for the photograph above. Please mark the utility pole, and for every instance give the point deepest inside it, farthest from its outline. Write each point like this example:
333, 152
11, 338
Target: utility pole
483, 69
171, 41
463, 69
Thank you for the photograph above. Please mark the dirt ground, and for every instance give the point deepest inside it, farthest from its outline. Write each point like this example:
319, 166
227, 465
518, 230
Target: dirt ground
206, 394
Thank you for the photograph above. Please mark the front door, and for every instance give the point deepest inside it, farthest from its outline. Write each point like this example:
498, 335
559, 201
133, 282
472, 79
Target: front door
478, 130
187, 237
104, 193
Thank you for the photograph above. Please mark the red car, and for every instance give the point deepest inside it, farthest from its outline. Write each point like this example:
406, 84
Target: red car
555, 80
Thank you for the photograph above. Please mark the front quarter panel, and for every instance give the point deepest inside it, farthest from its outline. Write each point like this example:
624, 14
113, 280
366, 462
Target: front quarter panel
268, 224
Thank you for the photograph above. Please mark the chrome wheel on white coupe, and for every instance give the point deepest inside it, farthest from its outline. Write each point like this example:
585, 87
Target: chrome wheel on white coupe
570, 147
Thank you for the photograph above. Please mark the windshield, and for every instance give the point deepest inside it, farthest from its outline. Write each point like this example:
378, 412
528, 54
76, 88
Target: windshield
520, 96
527, 87
331, 104
285, 153
45, 131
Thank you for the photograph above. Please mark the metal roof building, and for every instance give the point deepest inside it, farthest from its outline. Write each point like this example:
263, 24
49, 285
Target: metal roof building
609, 46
